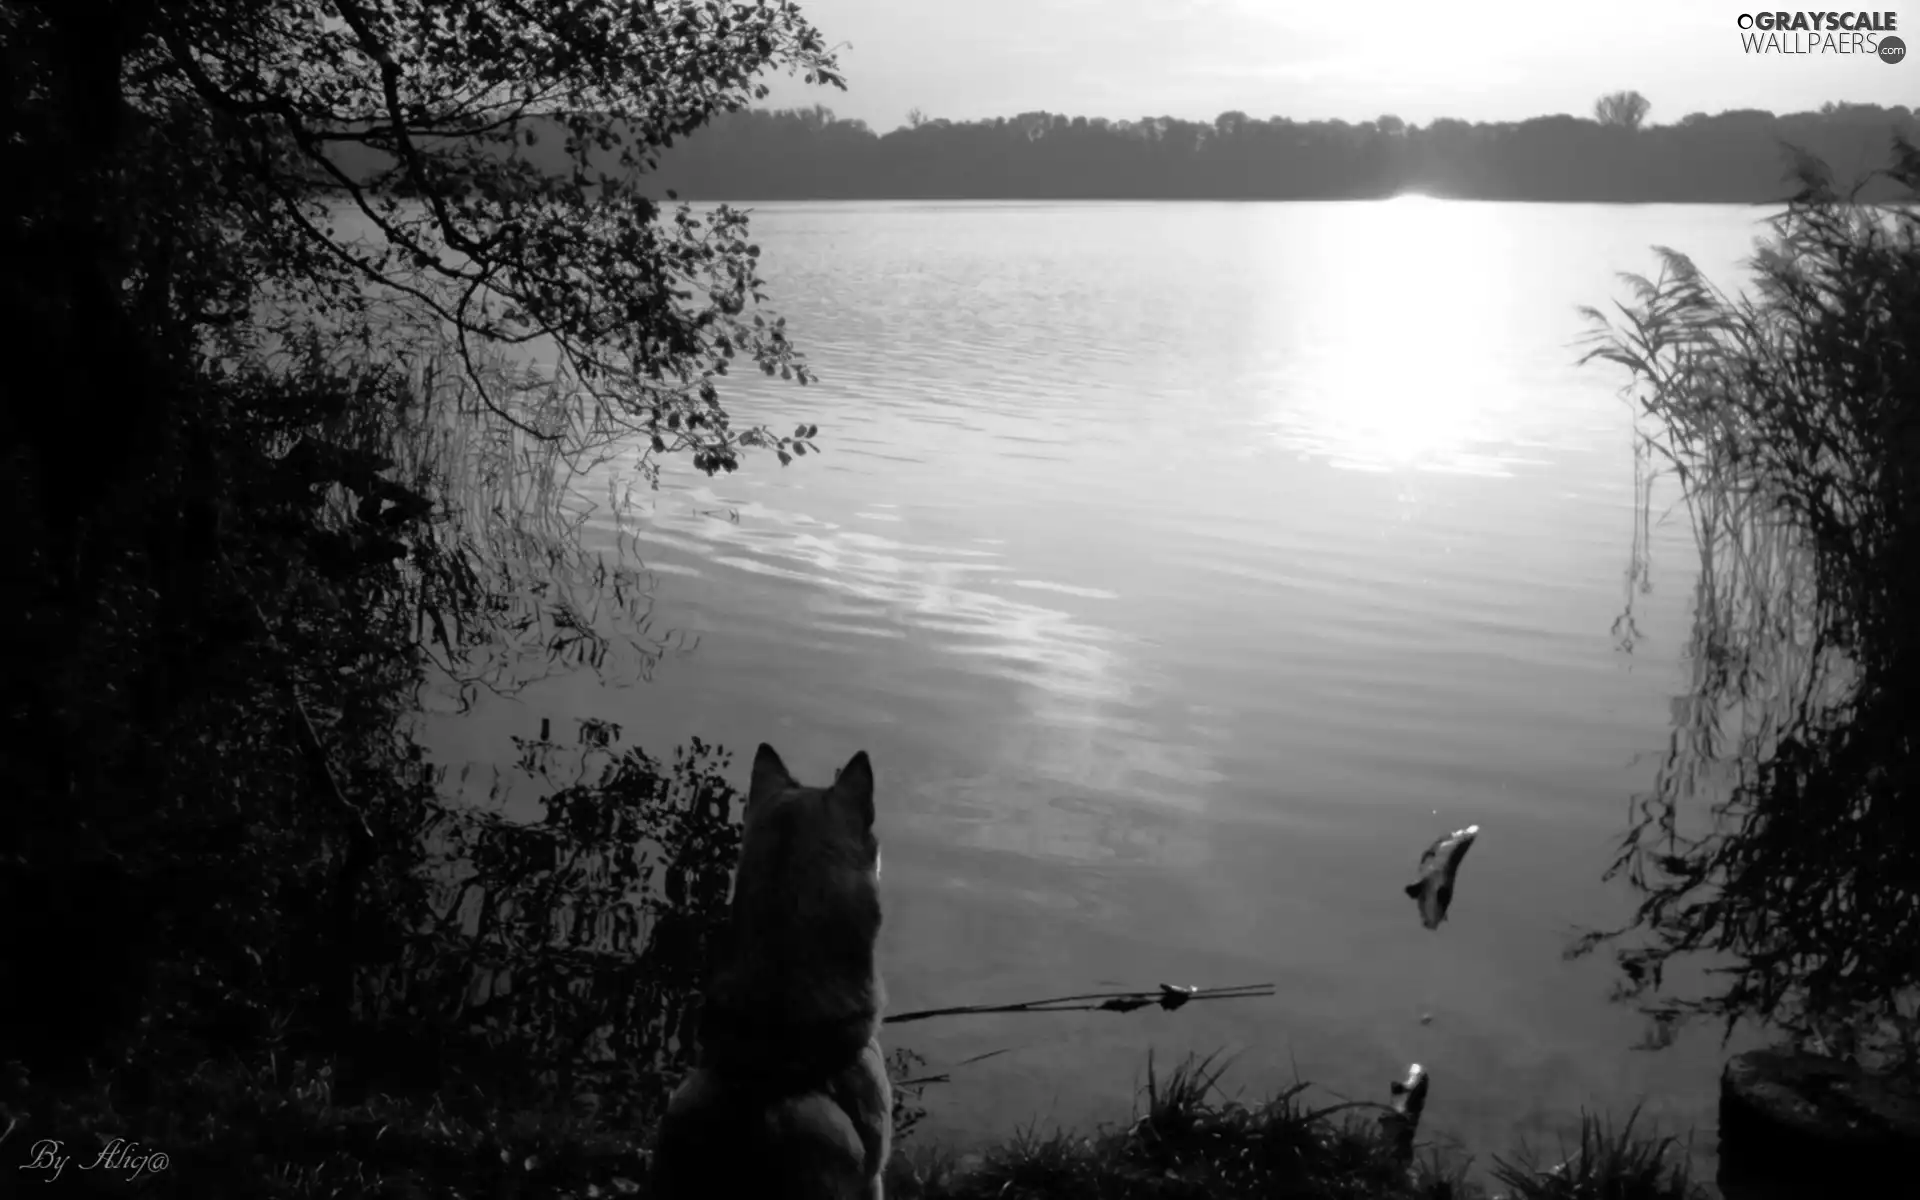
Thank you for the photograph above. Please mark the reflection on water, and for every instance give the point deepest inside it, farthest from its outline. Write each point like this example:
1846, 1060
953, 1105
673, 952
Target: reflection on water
860, 582
1083, 727
1409, 365
1186, 569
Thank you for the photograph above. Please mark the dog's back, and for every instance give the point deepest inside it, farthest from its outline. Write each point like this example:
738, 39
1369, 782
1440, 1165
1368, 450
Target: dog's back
721, 1139
790, 1100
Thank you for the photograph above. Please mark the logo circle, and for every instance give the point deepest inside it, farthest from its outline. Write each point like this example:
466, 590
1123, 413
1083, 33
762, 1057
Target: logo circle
1892, 49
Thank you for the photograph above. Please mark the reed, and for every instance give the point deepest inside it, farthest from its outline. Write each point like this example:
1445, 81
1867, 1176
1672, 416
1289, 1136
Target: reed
1779, 836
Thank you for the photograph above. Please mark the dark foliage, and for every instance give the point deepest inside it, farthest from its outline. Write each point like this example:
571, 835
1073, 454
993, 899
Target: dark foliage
565, 952
264, 482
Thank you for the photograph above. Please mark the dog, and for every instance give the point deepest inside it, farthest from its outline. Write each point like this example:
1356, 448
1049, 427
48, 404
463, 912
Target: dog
789, 1097
1433, 891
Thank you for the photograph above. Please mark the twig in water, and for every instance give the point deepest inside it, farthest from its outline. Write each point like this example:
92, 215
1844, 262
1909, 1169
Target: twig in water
1403, 1121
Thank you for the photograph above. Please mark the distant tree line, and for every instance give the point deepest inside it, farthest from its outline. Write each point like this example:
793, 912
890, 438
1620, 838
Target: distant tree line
1735, 157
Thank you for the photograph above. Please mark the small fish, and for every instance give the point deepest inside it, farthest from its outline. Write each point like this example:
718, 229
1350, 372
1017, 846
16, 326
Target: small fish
1434, 889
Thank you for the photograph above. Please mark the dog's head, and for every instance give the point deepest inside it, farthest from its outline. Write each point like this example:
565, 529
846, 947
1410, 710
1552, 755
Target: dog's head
811, 849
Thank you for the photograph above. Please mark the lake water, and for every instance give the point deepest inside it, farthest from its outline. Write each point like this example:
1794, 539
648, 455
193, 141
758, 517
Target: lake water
1186, 569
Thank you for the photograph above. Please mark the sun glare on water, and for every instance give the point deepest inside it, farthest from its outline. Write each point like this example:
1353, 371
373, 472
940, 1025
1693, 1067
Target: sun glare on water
1397, 369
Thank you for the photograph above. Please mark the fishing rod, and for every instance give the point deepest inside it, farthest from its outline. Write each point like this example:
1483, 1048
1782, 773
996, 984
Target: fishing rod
1399, 1118
1170, 996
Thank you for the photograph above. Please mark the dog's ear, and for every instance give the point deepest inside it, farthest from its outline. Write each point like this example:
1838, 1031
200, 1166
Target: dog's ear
770, 775
854, 785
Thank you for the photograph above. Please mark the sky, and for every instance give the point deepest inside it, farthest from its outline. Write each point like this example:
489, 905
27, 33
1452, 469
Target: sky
1477, 60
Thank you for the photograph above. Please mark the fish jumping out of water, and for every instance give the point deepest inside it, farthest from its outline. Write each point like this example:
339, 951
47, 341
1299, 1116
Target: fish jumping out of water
1434, 889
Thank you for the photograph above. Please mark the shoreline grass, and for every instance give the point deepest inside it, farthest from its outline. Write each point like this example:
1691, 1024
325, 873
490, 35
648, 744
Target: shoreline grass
298, 1131
1188, 1139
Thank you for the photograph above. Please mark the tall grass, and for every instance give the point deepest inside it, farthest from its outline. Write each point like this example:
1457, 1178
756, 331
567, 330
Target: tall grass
1189, 1139
1781, 831
509, 581
1608, 1161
